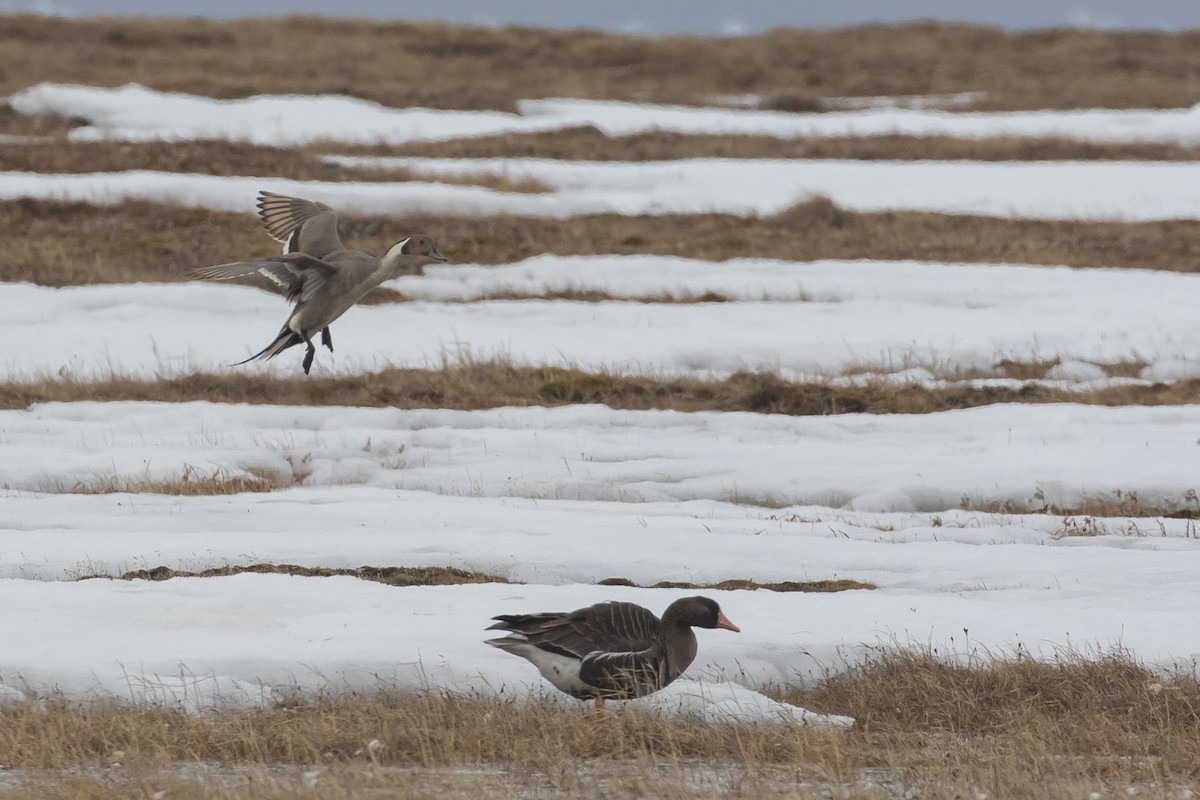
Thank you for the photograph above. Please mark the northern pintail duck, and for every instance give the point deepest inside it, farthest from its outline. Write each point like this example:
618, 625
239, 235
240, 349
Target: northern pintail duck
610, 650
320, 274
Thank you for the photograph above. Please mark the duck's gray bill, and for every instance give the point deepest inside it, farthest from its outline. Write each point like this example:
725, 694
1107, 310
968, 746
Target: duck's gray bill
435, 255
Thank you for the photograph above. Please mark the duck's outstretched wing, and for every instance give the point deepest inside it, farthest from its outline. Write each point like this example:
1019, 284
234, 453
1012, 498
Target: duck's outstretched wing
302, 225
301, 274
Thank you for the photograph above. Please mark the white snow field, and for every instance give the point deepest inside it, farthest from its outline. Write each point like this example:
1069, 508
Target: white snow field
1023, 457
134, 112
918, 322
1114, 190
561, 497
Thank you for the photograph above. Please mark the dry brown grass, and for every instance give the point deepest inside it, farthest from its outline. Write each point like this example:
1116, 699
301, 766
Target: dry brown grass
452, 576
493, 384
733, 584
55, 154
1084, 518
1105, 701
1005, 726
206, 157
602, 779
429, 64
190, 482
392, 576
35, 126
142, 241
591, 144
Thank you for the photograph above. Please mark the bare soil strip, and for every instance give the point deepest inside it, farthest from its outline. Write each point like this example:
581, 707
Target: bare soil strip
446, 66
56, 243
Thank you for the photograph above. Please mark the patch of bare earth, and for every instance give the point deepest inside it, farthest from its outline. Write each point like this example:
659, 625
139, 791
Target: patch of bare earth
142, 241
447, 66
926, 727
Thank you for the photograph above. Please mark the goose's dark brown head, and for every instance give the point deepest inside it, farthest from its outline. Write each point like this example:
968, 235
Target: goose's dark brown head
698, 612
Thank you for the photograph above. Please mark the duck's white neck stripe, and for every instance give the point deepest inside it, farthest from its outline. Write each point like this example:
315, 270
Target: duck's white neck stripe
397, 249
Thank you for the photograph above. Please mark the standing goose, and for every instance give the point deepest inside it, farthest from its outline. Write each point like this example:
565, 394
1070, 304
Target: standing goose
610, 650
320, 274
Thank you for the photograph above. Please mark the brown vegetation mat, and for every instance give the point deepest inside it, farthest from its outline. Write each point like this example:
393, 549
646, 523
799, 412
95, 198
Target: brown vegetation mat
452, 576
56, 243
56, 154
444, 66
206, 157
1006, 727
591, 144
392, 576
739, 583
491, 385
191, 483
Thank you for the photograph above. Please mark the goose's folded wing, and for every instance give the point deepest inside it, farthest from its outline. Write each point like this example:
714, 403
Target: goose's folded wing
604, 627
301, 274
302, 225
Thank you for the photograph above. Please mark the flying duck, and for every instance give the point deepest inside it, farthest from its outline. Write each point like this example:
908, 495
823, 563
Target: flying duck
321, 276
610, 650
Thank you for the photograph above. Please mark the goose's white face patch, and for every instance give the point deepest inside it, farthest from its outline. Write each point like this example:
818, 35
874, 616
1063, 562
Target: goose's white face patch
560, 670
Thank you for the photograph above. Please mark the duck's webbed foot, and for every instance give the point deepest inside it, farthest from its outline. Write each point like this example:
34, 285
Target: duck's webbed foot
327, 338
310, 353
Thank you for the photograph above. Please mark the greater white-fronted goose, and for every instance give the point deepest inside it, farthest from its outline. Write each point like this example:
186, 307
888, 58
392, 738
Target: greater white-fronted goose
320, 274
610, 650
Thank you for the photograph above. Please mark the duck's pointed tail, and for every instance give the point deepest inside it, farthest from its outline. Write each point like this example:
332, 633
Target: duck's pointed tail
286, 338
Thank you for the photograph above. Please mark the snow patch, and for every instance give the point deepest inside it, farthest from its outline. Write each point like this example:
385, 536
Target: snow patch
134, 112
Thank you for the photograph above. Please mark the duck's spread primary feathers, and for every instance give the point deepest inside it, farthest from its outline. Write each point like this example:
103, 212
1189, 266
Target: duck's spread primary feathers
321, 276
610, 650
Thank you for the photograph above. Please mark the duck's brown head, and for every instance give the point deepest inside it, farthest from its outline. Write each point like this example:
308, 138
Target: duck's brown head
409, 256
698, 612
